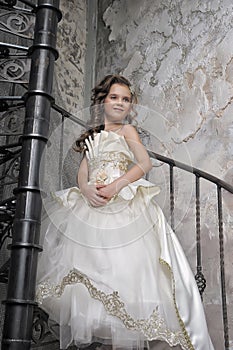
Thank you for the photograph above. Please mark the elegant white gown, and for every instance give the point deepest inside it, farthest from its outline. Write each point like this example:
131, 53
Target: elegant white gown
117, 273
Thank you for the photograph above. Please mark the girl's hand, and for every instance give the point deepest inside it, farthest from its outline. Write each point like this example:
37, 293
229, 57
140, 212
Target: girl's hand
93, 196
107, 191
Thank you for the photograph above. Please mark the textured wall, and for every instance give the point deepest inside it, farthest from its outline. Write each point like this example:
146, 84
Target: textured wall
68, 90
179, 55
70, 67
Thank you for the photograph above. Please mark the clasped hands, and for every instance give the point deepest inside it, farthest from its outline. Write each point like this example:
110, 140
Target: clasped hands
99, 194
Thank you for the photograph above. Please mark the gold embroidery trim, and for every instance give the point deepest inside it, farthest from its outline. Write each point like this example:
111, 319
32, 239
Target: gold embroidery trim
98, 165
116, 159
153, 328
182, 325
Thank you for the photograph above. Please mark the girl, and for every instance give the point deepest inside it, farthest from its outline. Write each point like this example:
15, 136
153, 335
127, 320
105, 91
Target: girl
112, 269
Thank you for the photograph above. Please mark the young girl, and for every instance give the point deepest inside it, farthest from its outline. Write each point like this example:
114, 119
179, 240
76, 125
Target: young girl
112, 269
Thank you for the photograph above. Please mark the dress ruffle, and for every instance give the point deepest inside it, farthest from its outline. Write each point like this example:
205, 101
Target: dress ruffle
122, 221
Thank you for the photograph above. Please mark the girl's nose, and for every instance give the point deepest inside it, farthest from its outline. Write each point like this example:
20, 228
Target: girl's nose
120, 101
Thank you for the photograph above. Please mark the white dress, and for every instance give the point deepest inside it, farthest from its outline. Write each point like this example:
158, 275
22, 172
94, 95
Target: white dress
117, 273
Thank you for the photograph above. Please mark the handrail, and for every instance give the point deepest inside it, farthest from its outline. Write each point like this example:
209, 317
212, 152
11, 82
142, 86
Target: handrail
190, 169
66, 114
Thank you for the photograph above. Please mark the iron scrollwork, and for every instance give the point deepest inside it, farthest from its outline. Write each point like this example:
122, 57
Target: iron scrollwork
12, 121
41, 334
201, 282
14, 70
7, 212
10, 175
9, 162
17, 22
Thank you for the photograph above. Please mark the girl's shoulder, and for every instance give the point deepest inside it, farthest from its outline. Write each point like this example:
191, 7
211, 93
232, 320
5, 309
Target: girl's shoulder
128, 129
129, 132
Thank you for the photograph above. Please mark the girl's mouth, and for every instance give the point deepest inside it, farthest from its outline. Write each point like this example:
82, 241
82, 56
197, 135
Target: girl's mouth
118, 109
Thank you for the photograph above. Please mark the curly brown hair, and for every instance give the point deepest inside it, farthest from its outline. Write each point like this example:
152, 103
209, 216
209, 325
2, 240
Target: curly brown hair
99, 93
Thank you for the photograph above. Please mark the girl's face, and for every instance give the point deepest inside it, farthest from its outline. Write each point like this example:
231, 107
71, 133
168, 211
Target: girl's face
117, 104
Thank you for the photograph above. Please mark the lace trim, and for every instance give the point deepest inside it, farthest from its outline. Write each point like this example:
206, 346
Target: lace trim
153, 328
182, 325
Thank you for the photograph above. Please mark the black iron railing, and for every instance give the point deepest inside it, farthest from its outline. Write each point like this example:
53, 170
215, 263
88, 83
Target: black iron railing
220, 185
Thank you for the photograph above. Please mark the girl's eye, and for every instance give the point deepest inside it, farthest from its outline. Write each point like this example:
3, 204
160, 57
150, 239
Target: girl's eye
126, 99
113, 97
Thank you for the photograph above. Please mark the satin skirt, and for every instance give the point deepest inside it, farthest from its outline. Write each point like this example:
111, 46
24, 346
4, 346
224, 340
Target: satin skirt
117, 274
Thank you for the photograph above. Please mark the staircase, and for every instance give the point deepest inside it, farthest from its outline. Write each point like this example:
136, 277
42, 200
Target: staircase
16, 49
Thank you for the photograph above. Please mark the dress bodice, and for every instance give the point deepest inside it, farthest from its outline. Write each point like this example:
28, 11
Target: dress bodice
108, 157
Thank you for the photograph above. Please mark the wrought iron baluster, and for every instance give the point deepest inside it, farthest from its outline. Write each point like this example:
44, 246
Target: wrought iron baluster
61, 151
200, 279
172, 201
222, 269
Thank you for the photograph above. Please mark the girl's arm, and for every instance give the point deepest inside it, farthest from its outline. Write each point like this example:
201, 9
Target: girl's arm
142, 166
88, 190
